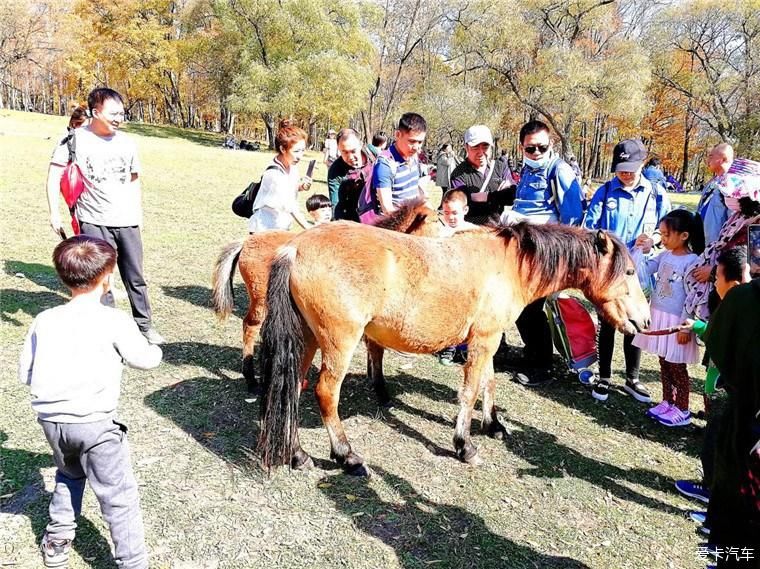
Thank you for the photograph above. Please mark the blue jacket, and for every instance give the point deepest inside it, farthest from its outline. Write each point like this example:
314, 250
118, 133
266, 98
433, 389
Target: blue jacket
535, 196
712, 208
627, 214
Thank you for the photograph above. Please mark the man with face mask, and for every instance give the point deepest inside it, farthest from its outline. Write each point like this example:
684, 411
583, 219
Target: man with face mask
628, 205
548, 192
346, 176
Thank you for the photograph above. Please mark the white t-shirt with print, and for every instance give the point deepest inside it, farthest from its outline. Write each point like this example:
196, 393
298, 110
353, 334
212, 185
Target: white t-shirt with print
276, 201
110, 198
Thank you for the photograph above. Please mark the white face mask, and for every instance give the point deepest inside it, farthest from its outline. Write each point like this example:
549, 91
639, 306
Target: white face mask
542, 163
732, 204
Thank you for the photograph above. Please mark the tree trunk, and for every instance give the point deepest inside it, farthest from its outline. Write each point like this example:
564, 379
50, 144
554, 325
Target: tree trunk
268, 119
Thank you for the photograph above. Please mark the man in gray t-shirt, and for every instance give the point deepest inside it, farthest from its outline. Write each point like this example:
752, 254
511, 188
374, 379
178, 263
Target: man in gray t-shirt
110, 205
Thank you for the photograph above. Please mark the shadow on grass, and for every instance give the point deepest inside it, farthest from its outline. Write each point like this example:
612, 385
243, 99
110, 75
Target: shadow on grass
202, 137
31, 303
620, 411
201, 296
426, 533
23, 493
551, 459
41, 275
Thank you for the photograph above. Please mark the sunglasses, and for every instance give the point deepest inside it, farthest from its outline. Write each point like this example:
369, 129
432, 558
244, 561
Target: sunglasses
538, 147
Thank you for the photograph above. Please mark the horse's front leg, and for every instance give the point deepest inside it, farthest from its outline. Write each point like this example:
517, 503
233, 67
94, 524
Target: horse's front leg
375, 372
335, 362
479, 366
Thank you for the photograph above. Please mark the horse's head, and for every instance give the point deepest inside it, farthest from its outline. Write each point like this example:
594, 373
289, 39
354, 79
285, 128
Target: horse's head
614, 286
414, 217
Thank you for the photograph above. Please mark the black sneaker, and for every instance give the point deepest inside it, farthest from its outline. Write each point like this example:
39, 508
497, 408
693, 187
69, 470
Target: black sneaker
55, 552
460, 356
601, 390
637, 390
534, 377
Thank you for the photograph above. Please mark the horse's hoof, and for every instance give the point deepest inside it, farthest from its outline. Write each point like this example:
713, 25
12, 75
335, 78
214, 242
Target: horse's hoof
356, 470
496, 431
474, 460
469, 454
301, 461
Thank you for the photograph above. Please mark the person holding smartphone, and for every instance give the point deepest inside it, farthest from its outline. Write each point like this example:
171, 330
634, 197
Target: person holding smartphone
276, 204
628, 205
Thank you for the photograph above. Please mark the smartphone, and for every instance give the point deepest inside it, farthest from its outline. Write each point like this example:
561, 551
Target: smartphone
753, 249
310, 169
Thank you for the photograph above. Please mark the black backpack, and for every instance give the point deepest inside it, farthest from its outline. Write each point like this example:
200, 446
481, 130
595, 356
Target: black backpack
242, 205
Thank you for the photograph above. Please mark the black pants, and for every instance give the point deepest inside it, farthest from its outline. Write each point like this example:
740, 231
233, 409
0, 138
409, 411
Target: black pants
718, 402
535, 334
606, 345
128, 244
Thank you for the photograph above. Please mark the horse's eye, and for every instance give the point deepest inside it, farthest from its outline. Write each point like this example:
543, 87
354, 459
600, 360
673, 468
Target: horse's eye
630, 272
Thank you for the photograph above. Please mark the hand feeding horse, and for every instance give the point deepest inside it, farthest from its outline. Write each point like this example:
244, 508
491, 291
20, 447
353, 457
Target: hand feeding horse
331, 285
254, 258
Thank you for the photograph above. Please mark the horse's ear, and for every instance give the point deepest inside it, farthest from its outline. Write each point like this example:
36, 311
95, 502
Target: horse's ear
601, 242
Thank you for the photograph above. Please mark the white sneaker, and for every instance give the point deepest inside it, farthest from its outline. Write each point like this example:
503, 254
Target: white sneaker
153, 337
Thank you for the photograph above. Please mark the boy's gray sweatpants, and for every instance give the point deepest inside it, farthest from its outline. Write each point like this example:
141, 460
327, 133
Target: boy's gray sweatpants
97, 452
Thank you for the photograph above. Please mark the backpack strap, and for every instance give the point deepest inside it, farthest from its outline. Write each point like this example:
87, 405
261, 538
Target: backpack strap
552, 179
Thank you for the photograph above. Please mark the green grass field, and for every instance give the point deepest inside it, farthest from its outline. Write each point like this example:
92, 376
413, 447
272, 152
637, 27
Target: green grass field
576, 483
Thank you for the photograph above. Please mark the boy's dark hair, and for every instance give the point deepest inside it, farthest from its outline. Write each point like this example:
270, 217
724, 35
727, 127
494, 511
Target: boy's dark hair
654, 162
680, 220
317, 201
733, 261
379, 138
532, 127
412, 122
749, 207
98, 96
454, 196
81, 261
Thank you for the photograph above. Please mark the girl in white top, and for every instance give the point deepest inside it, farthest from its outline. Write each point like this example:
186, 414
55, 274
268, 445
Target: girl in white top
276, 204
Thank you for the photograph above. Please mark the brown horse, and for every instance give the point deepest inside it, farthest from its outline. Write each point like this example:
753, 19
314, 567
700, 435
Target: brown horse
419, 295
254, 258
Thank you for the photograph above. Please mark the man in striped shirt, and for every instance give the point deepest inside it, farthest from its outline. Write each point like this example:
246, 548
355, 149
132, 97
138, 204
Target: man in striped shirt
396, 176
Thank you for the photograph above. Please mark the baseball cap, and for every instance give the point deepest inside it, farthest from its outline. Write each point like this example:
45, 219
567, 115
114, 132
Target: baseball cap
628, 155
478, 134
331, 131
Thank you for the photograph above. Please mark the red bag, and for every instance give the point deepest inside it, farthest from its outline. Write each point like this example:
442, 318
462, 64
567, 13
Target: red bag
72, 182
573, 331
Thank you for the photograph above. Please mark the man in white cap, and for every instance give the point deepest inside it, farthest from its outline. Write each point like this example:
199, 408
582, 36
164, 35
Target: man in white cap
487, 183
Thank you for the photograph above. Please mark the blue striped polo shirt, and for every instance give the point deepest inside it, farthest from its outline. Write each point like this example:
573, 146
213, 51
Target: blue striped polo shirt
401, 176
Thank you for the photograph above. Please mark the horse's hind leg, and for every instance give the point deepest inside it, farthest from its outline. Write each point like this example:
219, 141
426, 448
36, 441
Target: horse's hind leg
479, 365
375, 372
335, 364
300, 459
251, 326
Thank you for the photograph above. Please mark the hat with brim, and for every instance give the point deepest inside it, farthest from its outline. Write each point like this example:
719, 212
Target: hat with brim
628, 155
742, 180
478, 134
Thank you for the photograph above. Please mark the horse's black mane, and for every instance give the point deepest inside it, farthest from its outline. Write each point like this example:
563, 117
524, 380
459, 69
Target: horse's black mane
555, 250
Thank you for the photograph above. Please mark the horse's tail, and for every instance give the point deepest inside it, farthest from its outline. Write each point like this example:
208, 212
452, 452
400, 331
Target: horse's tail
221, 288
281, 352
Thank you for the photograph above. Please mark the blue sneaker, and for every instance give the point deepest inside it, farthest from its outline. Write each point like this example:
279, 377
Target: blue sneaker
693, 490
698, 517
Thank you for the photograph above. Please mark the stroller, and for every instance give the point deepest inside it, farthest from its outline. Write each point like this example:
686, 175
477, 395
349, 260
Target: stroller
573, 333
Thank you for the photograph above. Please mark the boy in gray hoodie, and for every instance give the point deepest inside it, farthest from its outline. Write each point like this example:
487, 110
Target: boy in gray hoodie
72, 360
